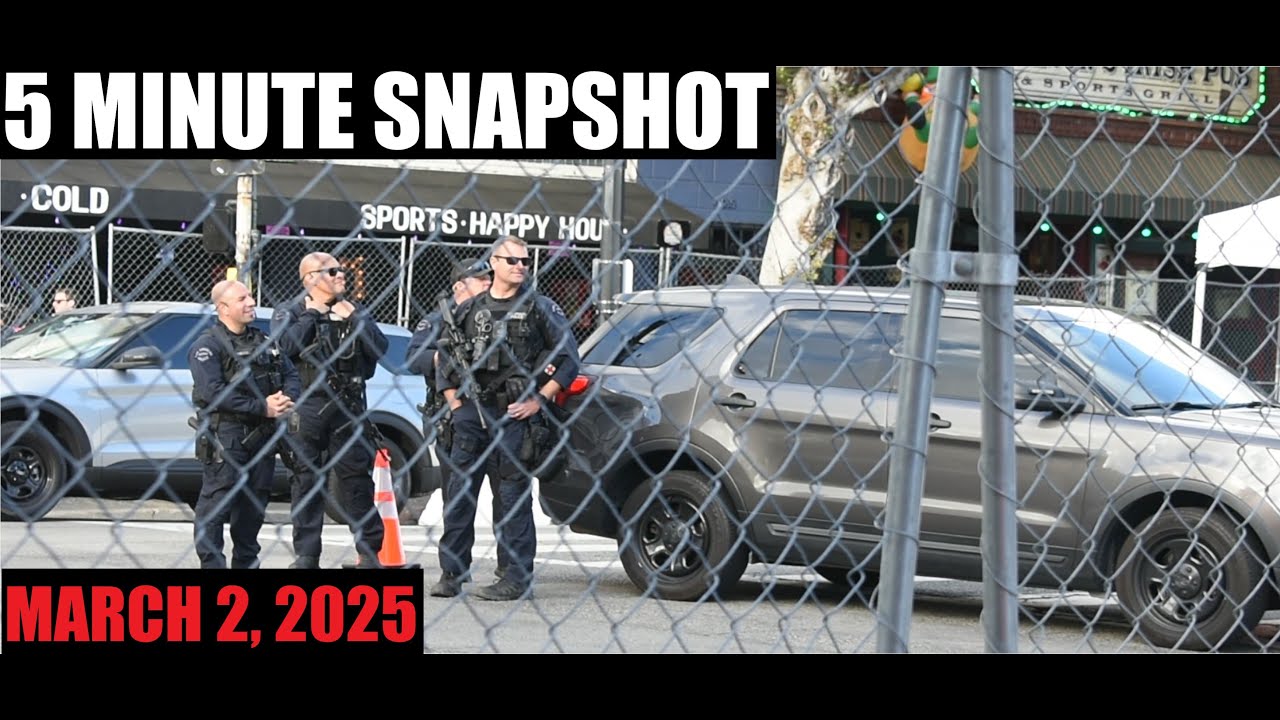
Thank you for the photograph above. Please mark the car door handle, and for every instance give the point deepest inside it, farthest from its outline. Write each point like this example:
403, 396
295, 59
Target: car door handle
937, 423
736, 400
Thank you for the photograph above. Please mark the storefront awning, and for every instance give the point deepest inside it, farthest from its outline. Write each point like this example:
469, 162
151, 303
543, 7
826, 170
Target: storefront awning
320, 195
1093, 177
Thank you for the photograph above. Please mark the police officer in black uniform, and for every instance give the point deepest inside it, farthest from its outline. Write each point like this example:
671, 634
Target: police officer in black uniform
521, 352
243, 385
336, 344
470, 277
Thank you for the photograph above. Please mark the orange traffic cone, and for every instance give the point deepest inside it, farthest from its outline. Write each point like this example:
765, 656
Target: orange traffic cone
384, 498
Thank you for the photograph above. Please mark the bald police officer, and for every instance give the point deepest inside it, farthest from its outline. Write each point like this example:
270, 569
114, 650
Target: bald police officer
242, 386
336, 344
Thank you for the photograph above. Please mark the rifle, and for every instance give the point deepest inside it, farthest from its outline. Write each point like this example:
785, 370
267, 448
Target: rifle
454, 342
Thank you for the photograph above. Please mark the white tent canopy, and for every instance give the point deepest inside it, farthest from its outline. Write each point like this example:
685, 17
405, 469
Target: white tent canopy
1246, 237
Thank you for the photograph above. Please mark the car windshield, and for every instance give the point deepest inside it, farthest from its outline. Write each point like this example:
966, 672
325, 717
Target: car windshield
1142, 366
70, 338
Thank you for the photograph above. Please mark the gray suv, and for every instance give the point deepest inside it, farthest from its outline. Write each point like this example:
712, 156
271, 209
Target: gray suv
96, 400
713, 427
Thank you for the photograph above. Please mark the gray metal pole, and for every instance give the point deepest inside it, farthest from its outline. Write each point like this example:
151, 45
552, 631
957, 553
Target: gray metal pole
244, 227
611, 242
911, 434
998, 466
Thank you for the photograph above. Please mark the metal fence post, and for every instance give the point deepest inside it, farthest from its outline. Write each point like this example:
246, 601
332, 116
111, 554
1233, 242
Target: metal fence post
611, 241
97, 275
928, 269
244, 225
998, 462
111, 258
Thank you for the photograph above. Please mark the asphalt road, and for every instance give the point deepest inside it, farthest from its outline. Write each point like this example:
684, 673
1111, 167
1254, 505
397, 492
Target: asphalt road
583, 601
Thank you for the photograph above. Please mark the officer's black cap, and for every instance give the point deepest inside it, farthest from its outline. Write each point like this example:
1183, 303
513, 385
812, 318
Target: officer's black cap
471, 268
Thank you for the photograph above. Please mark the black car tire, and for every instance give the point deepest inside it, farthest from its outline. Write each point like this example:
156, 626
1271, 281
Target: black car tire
33, 471
1189, 579
679, 541
402, 483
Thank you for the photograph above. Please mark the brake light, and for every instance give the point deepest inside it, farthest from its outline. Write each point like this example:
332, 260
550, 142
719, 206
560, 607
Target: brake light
577, 387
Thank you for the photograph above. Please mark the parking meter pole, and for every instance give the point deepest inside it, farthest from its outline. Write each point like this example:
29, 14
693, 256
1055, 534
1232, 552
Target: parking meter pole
244, 227
910, 433
611, 242
997, 465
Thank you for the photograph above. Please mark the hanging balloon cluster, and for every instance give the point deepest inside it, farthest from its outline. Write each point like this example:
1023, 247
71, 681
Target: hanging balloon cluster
917, 93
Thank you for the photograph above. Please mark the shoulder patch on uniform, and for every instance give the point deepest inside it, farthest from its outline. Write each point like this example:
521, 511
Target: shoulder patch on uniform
422, 325
203, 354
555, 307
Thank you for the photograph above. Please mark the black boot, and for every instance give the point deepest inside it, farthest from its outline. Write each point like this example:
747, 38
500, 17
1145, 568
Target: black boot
503, 590
306, 562
370, 562
448, 586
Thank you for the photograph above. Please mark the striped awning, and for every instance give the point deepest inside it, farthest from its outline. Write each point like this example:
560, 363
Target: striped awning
1091, 177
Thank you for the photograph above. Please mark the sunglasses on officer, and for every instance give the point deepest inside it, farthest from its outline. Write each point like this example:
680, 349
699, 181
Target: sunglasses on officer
513, 260
333, 271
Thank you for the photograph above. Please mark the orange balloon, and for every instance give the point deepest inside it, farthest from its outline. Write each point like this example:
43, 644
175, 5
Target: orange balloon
915, 152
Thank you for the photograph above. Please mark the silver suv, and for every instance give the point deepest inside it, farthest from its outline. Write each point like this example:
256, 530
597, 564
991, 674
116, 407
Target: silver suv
96, 400
714, 427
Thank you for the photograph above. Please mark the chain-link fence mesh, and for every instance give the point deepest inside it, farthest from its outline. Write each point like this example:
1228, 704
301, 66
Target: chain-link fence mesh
712, 468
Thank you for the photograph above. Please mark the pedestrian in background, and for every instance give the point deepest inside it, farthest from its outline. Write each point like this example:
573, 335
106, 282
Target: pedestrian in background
64, 299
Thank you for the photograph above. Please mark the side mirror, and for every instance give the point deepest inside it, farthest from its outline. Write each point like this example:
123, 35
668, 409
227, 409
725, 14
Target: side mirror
141, 357
1039, 399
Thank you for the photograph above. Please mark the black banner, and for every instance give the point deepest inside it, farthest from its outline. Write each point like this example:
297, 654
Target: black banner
397, 114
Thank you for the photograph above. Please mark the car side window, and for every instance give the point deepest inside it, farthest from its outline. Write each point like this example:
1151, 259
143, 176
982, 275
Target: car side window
173, 335
646, 336
757, 362
959, 361
837, 348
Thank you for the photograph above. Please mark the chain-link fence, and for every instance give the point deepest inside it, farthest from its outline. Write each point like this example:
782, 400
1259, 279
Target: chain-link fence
37, 262
847, 402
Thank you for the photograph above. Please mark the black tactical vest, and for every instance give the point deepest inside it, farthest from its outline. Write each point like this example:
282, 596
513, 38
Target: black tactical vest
507, 345
266, 367
324, 352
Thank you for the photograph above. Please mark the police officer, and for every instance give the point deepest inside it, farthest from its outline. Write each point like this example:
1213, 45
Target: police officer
522, 353
470, 277
242, 385
336, 344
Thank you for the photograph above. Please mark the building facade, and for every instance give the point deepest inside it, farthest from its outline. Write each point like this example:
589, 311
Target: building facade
1115, 166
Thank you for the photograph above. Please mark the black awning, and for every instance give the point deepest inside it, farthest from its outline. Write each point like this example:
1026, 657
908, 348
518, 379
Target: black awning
333, 196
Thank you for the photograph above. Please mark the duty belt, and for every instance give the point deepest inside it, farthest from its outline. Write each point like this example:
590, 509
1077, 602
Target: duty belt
218, 417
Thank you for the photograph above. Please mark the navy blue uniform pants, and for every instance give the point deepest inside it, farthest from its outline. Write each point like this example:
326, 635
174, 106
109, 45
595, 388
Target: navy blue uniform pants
447, 486
323, 446
494, 452
235, 487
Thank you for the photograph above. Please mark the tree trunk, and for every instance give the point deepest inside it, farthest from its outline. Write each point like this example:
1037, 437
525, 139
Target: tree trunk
821, 101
